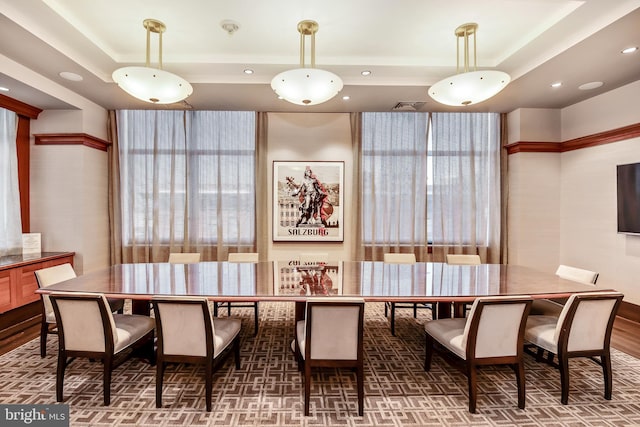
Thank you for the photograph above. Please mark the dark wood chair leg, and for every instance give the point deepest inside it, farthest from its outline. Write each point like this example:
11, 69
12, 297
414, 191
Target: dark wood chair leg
44, 330
563, 364
520, 380
106, 380
605, 360
62, 365
307, 388
393, 319
473, 388
415, 310
208, 383
360, 379
159, 381
386, 309
255, 319
428, 352
215, 309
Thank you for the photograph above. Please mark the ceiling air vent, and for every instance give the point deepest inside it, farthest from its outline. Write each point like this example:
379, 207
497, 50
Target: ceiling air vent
408, 106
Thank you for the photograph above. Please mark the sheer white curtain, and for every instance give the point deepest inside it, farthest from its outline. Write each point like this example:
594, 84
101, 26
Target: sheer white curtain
394, 184
187, 183
10, 219
466, 184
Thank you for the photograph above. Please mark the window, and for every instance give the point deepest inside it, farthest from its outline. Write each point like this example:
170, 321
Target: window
187, 176
430, 179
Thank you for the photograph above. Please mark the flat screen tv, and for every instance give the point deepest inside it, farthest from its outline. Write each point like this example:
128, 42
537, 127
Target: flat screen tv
629, 198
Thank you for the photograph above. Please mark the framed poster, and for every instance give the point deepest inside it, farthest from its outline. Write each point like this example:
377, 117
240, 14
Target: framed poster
308, 201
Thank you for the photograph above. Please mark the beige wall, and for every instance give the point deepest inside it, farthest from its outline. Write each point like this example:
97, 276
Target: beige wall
69, 189
311, 137
562, 207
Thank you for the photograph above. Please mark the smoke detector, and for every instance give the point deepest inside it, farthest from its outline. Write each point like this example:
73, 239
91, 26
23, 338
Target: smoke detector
229, 26
408, 106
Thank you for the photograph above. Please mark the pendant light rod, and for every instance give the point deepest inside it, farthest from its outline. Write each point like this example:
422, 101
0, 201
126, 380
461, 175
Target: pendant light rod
307, 28
464, 31
154, 26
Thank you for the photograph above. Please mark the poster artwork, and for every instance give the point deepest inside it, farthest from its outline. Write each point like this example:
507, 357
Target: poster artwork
308, 201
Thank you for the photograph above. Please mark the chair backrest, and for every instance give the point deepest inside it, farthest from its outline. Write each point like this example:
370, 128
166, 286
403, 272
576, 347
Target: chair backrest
334, 328
577, 274
495, 326
456, 259
85, 321
243, 257
184, 258
314, 258
587, 319
392, 258
50, 276
184, 326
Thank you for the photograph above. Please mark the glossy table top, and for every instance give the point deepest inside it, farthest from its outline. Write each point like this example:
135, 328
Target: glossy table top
278, 281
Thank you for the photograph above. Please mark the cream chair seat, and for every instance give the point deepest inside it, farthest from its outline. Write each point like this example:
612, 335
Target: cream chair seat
331, 336
492, 334
49, 276
188, 333
88, 328
583, 329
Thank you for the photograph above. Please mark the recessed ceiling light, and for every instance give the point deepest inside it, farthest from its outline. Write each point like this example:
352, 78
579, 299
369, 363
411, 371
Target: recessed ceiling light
248, 71
67, 75
366, 73
590, 85
346, 97
4, 89
630, 49
556, 84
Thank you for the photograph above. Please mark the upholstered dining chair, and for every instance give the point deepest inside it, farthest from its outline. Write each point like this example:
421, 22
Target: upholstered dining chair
88, 328
331, 335
50, 276
463, 259
188, 333
492, 334
551, 307
250, 257
184, 258
583, 329
390, 307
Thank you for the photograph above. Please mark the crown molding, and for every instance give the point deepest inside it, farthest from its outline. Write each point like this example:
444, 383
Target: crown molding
71, 139
601, 138
19, 107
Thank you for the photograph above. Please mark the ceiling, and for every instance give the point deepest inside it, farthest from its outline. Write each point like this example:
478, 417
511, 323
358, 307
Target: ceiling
407, 45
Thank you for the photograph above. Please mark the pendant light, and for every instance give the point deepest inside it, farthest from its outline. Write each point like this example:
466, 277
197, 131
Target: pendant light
469, 86
307, 85
150, 84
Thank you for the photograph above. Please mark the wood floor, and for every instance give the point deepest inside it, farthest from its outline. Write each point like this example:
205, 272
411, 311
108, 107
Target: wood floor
625, 337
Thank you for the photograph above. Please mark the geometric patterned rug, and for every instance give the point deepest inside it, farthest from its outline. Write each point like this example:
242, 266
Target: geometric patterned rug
268, 389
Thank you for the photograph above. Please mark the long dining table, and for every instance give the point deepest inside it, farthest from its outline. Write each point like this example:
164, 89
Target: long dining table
438, 283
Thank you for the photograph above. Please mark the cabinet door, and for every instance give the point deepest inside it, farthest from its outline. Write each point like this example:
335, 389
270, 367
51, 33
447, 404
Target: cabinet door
5, 291
26, 284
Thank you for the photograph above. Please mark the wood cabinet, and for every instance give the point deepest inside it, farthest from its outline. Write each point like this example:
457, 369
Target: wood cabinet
18, 281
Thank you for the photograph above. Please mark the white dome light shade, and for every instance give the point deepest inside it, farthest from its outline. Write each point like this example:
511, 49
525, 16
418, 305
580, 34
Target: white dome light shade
152, 84
306, 86
469, 88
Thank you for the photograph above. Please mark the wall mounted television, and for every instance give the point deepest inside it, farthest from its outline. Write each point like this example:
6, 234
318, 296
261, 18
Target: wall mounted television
628, 198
